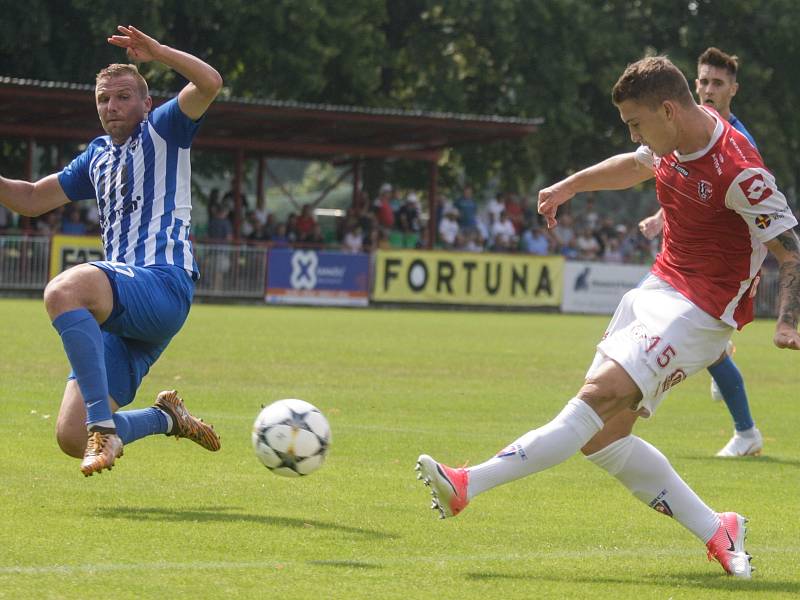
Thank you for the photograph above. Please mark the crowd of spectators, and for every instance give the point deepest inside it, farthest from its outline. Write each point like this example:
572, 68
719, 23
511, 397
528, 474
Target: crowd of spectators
507, 222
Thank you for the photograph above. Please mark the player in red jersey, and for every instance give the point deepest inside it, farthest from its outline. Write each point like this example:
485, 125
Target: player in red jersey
722, 212
716, 86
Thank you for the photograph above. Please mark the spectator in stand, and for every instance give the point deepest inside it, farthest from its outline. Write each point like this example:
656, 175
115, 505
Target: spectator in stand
443, 204
291, 228
91, 217
587, 245
407, 216
515, 212
49, 223
382, 207
305, 223
260, 233
613, 252
589, 217
504, 236
564, 234
493, 209
448, 228
535, 241
467, 210
472, 242
220, 231
72, 223
316, 236
353, 239
249, 224
280, 238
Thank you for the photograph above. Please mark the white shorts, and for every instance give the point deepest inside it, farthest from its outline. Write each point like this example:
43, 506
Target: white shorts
660, 338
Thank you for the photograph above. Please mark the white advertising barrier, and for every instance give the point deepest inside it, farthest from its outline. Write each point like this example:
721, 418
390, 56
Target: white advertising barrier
597, 288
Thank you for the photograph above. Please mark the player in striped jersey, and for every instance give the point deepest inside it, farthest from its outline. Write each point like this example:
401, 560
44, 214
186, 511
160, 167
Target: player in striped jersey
716, 86
116, 317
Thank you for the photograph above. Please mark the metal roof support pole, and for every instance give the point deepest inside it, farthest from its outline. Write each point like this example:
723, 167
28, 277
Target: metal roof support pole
261, 201
237, 193
356, 200
433, 175
26, 225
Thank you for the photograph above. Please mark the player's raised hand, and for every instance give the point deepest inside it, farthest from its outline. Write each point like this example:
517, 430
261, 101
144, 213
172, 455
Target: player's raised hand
140, 47
786, 336
550, 198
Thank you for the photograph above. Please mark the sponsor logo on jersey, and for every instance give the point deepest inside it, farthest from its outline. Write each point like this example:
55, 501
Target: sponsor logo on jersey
704, 190
755, 189
763, 221
679, 168
717, 159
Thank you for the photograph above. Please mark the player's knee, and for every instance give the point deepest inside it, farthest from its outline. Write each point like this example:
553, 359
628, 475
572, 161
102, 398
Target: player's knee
608, 394
57, 295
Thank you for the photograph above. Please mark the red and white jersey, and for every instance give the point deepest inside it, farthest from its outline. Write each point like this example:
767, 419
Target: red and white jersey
720, 206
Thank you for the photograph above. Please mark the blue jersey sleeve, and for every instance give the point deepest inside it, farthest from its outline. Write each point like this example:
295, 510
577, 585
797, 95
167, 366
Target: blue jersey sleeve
75, 179
171, 124
739, 126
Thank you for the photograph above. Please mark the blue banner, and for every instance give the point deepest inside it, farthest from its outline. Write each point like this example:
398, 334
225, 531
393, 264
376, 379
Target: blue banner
317, 277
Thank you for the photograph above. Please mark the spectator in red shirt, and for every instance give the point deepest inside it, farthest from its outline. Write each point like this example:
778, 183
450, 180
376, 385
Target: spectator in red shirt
382, 207
305, 224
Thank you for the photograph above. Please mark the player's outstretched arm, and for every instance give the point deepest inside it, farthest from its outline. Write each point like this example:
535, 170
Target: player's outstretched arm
204, 80
786, 248
32, 199
616, 173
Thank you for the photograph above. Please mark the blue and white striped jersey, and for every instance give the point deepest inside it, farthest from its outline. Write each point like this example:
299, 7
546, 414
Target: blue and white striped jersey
143, 190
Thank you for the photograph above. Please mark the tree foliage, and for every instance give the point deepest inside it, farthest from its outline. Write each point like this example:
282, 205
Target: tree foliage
555, 59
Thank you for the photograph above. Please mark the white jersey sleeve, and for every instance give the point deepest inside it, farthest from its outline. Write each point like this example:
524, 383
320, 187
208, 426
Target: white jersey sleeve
645, 157
754, 195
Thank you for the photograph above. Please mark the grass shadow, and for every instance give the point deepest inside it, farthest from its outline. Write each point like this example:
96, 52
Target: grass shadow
225, 514
682, 580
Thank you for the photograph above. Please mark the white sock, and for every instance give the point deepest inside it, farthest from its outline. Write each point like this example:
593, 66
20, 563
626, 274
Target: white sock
169, 420
538, 449
650, 477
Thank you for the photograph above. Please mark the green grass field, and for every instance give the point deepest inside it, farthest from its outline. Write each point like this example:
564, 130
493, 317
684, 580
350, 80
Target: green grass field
175, 521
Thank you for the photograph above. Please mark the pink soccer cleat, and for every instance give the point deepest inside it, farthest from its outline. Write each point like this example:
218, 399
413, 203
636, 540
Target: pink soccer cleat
727, 546
448, 486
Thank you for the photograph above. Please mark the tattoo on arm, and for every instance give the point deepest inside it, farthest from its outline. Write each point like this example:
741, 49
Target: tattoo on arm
789, 280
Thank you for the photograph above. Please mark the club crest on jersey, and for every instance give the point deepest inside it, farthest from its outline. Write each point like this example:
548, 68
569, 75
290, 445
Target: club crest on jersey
704, 190
763, 221
511, 451
755, 189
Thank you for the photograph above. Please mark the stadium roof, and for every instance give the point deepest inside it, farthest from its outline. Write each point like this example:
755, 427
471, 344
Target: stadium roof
49, 110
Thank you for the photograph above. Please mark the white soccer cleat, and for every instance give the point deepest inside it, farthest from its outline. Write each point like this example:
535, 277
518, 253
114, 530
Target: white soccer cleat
716, 393
448, 486
740, 445
727, 546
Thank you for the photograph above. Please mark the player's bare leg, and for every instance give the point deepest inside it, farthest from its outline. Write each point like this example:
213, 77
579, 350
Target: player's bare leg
99, 450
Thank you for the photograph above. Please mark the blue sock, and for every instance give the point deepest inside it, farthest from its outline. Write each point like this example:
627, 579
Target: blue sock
731, 384
83, 343
136, 424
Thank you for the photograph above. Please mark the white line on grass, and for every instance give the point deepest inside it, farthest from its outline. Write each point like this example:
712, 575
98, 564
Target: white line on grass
233, 565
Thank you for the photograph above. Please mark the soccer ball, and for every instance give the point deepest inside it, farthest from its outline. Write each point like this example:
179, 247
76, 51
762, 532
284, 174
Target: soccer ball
291, 437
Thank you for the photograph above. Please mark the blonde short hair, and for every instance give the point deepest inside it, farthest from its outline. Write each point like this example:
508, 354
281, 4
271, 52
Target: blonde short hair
120, 69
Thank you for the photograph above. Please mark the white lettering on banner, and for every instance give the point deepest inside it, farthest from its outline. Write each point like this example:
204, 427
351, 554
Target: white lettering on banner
597, 288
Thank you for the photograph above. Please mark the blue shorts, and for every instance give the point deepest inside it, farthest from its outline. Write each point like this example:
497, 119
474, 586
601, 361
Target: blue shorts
150, 307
